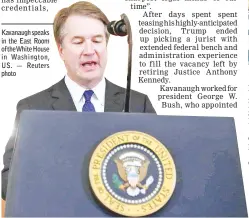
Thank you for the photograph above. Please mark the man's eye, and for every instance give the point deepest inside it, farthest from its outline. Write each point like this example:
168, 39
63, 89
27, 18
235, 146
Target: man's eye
77, 42
97, 39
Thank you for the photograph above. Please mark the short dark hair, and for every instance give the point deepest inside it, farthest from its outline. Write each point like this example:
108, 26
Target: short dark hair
79, 8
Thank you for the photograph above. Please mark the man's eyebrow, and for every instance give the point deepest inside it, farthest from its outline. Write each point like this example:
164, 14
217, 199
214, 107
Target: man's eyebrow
82, 37
76, 37
98, 36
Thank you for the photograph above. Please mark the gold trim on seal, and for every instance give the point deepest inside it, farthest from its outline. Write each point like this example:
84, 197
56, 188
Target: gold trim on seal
164, 157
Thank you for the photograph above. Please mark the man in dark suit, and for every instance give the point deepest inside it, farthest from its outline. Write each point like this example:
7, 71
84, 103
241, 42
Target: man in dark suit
84, 88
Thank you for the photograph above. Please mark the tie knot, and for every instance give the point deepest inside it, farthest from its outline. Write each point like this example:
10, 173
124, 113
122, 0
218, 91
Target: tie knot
88, 94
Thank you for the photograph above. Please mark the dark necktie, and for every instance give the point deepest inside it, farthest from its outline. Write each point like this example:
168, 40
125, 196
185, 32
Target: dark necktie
88, 106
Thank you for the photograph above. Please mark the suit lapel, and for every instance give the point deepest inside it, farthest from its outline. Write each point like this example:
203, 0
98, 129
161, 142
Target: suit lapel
62, 97
114, 98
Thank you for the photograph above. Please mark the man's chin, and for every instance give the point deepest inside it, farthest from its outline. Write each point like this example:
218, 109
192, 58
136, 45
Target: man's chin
88, 75
88, 78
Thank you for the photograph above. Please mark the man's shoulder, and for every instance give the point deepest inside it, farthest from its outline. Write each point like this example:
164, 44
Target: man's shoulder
120, 89
39, 99
38, 95
139, 102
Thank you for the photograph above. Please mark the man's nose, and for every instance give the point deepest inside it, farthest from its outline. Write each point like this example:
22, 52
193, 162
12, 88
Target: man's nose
88, 48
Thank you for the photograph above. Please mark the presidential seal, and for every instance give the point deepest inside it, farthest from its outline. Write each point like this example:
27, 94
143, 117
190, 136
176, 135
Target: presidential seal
132, 173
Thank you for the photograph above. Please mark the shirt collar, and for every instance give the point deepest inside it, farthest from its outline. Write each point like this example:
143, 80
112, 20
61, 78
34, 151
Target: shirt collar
77, 91
99, 91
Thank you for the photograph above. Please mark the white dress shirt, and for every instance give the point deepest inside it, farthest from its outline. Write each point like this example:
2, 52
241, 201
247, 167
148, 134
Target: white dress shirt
76, 91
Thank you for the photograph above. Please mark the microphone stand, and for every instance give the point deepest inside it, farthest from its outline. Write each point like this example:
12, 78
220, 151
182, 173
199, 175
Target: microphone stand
129, 40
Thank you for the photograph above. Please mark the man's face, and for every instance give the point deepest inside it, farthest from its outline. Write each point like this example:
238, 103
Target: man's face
83, 49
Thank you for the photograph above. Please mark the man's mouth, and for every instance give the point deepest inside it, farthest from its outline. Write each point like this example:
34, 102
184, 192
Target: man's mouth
89, 65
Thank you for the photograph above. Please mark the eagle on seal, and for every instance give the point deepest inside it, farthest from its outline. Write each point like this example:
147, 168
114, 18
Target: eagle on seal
132, 168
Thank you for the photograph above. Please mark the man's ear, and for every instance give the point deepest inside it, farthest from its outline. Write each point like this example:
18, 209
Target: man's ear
61, 50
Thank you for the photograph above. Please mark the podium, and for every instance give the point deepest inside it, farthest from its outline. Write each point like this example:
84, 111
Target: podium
49, 173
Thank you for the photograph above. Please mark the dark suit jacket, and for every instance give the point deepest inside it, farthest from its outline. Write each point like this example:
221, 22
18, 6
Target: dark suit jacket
57, 97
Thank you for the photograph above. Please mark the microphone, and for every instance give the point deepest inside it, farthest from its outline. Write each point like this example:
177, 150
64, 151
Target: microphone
123, 28
117, 28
